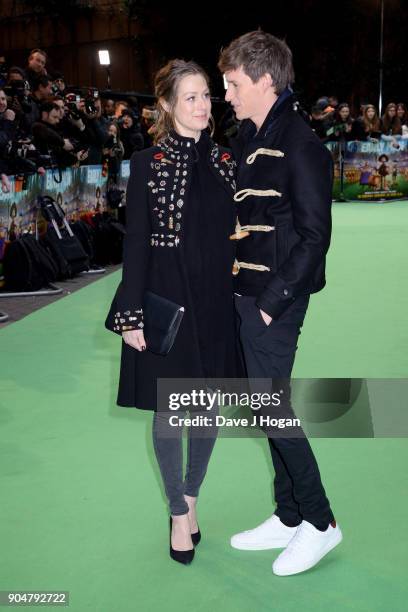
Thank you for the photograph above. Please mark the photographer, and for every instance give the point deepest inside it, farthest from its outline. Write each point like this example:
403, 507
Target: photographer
90, 108
7, 133
48, 141
71, 125
41, 92
108, 112
19, 100
58, 84
131, 135
113, 152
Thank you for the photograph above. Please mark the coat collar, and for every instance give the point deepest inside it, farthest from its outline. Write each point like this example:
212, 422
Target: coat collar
181, 145
283, 104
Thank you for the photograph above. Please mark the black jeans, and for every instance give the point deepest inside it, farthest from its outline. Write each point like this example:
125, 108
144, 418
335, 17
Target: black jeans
269, 352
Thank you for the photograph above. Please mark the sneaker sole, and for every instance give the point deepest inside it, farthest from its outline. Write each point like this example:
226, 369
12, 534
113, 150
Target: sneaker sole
329, 547
262, 546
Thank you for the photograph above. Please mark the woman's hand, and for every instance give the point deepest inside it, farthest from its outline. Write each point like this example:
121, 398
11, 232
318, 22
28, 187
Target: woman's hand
135, 338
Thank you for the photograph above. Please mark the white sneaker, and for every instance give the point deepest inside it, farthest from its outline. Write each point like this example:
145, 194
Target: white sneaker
306, 548
270, 534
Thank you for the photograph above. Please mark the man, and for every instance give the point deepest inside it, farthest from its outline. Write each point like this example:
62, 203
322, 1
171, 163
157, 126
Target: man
15, 74
59, 84
47, 139
36, 65
284, 182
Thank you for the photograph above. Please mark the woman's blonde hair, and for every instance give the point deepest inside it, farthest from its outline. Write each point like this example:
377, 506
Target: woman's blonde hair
166, 84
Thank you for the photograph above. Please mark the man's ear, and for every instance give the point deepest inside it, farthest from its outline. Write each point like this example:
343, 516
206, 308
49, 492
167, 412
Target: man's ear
267, 82
164, 104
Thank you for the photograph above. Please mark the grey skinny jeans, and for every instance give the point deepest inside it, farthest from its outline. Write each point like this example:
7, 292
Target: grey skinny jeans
168, 446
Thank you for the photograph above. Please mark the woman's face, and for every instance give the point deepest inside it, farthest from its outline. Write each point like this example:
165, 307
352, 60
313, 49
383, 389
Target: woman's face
370, 113
400, 112
193, 107
127, 122
3, 101
344, 113
112, 131
391, 112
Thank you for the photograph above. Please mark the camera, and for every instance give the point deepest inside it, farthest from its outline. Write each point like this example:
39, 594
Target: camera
26, 158
71, 101
90, 101
17, 89
78, 146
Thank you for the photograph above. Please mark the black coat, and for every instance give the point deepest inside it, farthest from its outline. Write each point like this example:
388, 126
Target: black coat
159, 256
288, 158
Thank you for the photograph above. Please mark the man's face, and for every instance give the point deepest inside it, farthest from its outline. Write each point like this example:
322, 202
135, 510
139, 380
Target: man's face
60, 83
44, 92
52, 117
245, 96
3, 102
119, 107
109, 107
61, 108
37, 62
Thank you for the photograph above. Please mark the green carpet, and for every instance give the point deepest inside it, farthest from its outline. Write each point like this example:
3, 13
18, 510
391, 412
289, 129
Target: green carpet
81, 508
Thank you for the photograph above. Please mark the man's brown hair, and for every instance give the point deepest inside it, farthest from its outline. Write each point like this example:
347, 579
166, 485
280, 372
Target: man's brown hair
40, 51
259, 53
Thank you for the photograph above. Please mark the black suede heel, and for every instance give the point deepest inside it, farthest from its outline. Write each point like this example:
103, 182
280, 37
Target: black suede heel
182, 556
196, 537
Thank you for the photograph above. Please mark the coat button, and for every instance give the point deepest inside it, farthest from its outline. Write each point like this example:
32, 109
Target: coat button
285, 292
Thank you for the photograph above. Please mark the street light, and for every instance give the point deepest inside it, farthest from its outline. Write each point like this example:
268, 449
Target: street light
104, 60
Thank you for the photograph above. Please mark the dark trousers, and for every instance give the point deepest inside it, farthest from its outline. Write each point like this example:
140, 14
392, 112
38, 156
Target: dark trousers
269, 352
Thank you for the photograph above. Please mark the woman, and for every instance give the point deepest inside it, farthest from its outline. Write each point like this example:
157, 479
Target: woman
367, 127
391, 125
132, 137
343, 123
180, 214
402, 115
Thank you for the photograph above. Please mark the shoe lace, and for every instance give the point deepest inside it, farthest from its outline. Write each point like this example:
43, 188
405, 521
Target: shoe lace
299, 539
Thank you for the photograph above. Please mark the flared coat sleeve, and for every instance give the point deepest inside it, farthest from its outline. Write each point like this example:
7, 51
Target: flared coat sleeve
136, 247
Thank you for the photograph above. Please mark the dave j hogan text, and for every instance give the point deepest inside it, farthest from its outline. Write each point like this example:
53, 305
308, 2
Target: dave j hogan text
222, 421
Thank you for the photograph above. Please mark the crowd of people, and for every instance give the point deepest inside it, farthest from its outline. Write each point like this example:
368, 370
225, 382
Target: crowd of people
45, 124
333, 121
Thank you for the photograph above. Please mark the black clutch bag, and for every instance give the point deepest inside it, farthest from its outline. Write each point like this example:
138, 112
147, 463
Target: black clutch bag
161, 318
